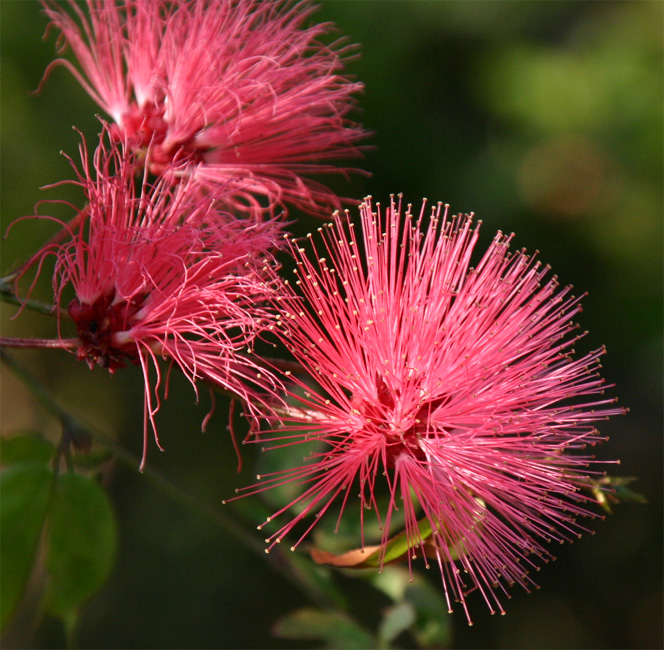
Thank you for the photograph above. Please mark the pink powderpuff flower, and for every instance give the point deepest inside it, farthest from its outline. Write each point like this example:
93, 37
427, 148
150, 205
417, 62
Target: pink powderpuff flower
444, 390
242, 87
158, 271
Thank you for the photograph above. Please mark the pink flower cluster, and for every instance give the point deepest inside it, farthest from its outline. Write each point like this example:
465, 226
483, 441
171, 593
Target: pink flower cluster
241, 89
158, 271
436, 383
448, 388
219, 108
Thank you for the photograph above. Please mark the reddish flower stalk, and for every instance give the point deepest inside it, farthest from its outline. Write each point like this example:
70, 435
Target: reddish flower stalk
451, 390
15, 342
158, 271
240, 86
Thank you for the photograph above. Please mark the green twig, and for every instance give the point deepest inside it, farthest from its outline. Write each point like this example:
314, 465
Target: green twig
8, 295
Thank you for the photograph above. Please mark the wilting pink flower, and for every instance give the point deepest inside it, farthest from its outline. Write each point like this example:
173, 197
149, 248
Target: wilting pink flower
243, 87
445, 390
158, 271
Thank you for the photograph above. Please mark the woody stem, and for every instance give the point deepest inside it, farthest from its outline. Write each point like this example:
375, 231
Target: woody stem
15, 342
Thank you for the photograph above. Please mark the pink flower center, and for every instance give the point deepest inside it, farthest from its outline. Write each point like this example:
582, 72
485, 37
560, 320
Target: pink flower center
146, 126
404, 442
382, 416
98, 323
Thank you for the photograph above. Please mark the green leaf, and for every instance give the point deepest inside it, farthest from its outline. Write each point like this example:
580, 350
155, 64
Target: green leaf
82, 544
25, 490
400, 545
25, 447
432, 627
396, 619
371, 557
336, 630
623, 493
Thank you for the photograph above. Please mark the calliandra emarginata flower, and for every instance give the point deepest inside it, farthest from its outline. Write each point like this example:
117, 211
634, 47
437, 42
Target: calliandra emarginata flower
157, 271
453, 390
243, 87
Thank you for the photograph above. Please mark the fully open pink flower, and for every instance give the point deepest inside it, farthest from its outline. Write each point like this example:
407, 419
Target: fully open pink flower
158, 271
445, 390
243, 87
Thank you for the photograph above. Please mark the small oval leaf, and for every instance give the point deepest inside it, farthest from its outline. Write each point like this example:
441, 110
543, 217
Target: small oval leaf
396, 619
395, 550
25, 447
25, 490
81, 545
336, 630
432, 627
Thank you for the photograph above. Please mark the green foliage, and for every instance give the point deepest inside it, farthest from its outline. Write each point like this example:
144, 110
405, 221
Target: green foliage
418, 611
335, 630
399, 546
610, 490
317, 578
25, 447
25, 490
395, 550
396, 619
431, 627
72, 517
82, 543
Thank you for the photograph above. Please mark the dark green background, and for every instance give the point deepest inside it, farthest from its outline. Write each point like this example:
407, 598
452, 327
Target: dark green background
544, 118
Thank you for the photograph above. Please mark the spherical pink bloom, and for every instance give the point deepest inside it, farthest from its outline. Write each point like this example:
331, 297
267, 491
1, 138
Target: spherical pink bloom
158, 271
242, 87
445, 390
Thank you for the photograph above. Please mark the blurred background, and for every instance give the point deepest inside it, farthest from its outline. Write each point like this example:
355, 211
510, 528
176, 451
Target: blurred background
543, 118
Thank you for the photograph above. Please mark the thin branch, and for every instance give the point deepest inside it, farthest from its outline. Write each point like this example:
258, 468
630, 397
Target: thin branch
14, 342
8, 295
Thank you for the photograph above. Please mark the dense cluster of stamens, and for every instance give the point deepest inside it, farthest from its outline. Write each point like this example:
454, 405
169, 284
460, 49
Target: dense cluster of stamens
445, 390
244, 90
158, 270
442, 385
100, 326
